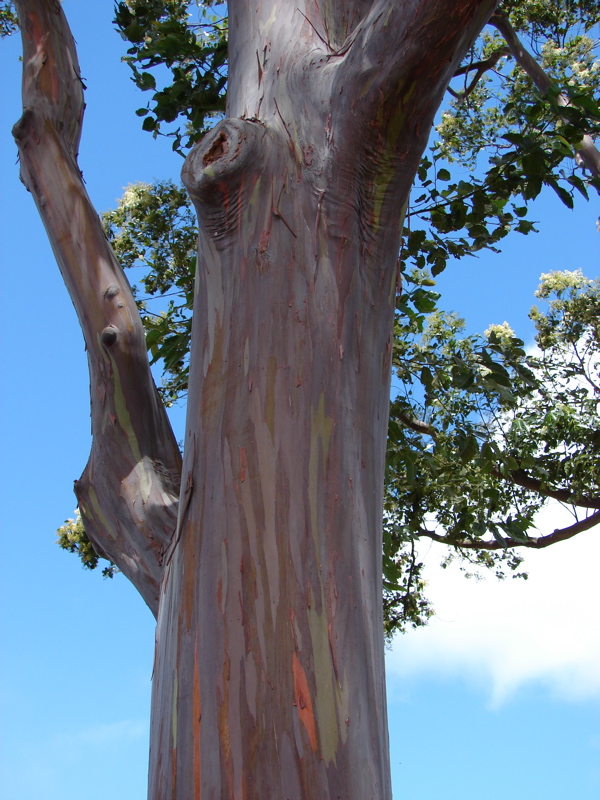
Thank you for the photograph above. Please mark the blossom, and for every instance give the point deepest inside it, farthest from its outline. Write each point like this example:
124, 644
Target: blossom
504, 333
558, 281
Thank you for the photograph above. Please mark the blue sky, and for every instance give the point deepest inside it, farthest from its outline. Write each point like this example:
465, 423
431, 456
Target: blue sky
499, 696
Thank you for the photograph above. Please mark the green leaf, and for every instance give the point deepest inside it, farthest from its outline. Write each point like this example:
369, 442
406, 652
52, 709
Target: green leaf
498, 536
519, 427
426, 378
562, 193
153, 336
587, 103
146, 81
524, 226
469, 448
576, 181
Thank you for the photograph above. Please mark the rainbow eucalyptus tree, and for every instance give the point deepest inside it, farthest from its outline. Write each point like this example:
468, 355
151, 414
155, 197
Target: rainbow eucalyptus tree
260, 555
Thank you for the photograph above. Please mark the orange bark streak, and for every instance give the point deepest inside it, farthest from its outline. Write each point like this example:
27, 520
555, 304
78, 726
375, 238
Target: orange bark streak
303, 701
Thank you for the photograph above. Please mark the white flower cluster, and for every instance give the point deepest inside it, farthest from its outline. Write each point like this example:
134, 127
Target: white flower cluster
132, 194
551, 53
577, 60
503, 332
584, 74
559, 281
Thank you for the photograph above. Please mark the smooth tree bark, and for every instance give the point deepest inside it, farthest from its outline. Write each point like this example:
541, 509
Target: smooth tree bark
269, 672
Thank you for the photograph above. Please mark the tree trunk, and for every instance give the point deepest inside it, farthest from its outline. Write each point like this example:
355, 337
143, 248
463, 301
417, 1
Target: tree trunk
270, 635
269, 671
269, 676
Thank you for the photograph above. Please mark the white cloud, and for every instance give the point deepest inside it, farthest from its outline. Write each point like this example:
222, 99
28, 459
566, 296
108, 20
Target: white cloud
504, 634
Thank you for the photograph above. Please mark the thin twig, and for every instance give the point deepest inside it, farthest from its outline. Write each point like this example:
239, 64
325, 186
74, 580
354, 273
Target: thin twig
481, 67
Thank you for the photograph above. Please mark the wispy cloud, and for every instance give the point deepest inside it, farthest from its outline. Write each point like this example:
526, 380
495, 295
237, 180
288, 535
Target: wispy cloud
505, 634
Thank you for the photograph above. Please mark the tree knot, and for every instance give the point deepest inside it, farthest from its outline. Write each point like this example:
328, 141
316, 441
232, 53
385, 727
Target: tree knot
108, 337
218, 149
216, 166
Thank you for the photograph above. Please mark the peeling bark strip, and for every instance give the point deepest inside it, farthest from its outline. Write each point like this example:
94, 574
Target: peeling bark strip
269, 670
128, 494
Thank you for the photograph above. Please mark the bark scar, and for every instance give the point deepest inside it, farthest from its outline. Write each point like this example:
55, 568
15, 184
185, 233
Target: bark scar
218, 149
303, 701
260, 69
275, 208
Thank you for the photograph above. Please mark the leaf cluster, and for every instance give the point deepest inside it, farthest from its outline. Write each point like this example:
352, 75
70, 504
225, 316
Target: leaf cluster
452, 218
72, 537
8, 19
531, 114
540, 20
183, 64
153, 232
482, 433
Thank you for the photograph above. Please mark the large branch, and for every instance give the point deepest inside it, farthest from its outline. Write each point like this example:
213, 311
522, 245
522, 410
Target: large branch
536, 543
521, 478
480, 68
417, 425
586, 149
485, 65
518, 476
391, 82
400, 45
128, 493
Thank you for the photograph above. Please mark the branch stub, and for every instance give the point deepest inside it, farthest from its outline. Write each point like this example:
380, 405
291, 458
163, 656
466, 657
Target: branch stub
108, 337
224, 154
